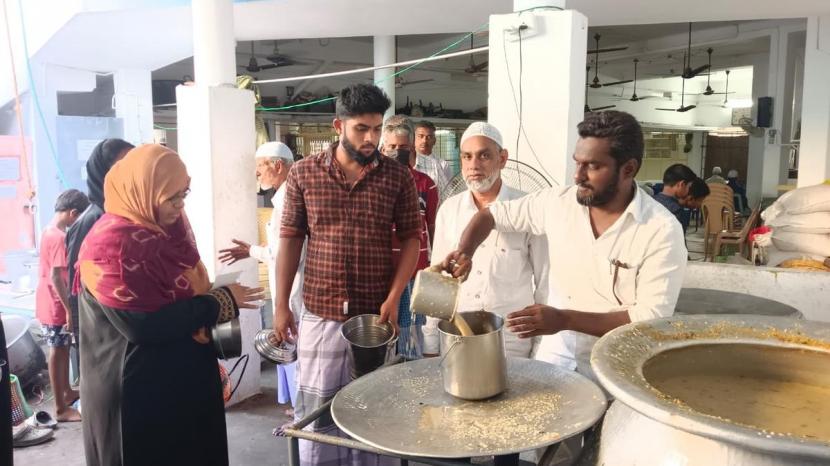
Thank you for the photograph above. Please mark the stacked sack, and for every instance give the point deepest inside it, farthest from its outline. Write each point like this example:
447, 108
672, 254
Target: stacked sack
800, 222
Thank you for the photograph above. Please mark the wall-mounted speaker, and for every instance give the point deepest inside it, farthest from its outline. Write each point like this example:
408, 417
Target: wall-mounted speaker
764, 119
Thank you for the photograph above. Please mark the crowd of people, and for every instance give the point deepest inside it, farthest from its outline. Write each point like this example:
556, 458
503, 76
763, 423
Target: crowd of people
350, 228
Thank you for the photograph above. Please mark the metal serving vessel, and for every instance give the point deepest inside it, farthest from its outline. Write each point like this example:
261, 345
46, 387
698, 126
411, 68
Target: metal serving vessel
644, 423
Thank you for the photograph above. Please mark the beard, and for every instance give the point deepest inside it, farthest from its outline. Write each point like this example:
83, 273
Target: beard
599, 198
483, 185
358, 156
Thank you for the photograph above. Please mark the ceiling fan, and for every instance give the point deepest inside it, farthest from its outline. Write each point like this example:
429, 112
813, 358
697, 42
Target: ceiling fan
587, 108
726, 93
474, 68
401, 82
595, 82
688, 71
278, 59
253, 66
682, 108
634, 96
709, 90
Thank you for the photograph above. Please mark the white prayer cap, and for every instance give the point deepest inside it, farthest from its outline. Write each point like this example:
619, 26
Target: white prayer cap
732, 174
271, 150
481, 128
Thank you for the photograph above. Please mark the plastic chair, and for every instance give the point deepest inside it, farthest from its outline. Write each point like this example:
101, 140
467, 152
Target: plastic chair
738, 238
717, 218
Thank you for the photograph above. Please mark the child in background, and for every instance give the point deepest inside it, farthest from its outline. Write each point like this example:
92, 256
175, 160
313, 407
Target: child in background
52, 300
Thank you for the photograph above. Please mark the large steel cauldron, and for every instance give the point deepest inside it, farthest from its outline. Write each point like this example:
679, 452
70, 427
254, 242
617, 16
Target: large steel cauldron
647, 425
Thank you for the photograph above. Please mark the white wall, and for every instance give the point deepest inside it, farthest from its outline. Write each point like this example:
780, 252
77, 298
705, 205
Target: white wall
43, 131
134, 104
538, 109
38, 27
814, 166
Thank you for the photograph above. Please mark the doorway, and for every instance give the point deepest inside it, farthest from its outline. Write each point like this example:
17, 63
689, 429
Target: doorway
728, 153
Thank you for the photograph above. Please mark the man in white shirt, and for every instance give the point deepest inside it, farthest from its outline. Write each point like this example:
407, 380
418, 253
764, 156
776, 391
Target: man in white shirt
716, 176
509, 269
616, 255
434, 167
273, 160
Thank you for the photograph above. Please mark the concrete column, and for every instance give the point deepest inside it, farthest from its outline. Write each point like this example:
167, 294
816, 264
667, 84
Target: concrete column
134, 104
551, 85
757, 140
814, 153
384, 52
216, 139
214, 46
773, 152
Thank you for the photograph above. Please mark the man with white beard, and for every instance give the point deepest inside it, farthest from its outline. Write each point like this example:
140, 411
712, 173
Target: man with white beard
510, 269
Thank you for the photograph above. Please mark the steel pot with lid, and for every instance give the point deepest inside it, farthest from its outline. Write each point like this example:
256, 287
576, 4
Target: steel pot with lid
716, 390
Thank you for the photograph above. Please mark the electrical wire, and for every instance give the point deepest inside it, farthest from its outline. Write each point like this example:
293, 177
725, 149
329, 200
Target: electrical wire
391, 76
521, 105
17, 109
35, 98
522, 131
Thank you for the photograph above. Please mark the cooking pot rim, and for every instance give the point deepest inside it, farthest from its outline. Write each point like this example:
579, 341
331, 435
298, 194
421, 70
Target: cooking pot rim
617, 360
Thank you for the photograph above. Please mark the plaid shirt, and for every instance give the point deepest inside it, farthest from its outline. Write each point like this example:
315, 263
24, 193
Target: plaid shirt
348, 269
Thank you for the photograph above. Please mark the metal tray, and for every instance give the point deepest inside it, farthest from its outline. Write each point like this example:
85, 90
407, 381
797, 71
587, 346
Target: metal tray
403, 409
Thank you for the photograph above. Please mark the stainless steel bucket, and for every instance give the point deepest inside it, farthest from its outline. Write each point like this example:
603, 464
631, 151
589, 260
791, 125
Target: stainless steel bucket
371, 344
227, 339
474, 368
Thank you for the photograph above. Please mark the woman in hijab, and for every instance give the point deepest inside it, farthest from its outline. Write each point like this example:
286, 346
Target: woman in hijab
103, 156
151, 388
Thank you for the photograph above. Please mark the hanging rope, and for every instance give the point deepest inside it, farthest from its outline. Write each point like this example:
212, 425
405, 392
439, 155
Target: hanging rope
24, 157
33, 92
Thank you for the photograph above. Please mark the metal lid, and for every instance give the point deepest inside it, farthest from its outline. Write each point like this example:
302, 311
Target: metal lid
283, 353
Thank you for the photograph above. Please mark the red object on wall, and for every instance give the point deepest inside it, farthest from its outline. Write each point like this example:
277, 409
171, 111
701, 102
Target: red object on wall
18, 232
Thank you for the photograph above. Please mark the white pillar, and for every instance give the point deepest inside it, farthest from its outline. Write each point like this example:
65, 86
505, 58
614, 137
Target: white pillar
214, 46
774, 173
814, 153
216, 139
134, 104
552, 86
384, 51
757, 143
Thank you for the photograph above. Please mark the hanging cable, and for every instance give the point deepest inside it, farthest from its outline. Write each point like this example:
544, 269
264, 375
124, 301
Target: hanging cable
521, 131
521, 104
24, 157
35, 99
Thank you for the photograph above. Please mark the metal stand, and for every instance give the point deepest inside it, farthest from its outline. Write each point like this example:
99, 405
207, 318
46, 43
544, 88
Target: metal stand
295, 432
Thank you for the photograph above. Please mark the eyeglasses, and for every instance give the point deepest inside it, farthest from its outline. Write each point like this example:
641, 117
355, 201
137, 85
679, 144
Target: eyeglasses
179, 198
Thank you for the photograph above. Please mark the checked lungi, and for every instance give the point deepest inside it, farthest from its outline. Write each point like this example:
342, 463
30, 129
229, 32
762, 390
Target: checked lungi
323, 368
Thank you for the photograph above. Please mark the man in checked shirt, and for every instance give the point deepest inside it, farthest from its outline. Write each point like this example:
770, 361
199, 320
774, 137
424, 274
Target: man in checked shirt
345, 200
